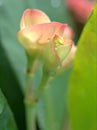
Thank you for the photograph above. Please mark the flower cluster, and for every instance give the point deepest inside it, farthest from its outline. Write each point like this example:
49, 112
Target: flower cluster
49, 41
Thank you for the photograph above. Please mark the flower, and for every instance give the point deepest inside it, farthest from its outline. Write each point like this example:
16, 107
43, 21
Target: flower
81, 9
50, 41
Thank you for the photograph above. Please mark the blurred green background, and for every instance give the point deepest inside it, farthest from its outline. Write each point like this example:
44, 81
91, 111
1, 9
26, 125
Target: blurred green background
52, 109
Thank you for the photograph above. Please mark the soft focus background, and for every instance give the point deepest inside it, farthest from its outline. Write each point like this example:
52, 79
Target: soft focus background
52, 109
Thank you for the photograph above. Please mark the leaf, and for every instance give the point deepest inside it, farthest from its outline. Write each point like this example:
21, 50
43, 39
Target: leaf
10, 88
52, 107
83, 85
9, 26
6, 117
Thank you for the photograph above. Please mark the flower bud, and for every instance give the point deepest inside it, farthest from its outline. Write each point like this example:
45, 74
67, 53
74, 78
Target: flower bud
49, 41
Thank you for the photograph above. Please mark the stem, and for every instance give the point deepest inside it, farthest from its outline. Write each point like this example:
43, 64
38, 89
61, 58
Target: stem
30, 116
32, 96
44, 83
30, 104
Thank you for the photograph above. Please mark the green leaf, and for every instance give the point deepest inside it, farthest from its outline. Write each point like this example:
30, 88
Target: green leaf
83, 85
9, 26
6, 118
52, 107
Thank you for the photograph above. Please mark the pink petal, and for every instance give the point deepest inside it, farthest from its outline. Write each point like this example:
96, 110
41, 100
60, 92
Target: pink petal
68, 33
40, 33
33, 16
70, 58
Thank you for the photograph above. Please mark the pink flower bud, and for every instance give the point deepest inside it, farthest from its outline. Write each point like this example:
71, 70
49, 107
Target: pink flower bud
50, 40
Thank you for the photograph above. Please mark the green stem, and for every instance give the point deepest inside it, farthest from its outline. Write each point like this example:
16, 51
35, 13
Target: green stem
30, 116
44, 83
30, 104
32, 97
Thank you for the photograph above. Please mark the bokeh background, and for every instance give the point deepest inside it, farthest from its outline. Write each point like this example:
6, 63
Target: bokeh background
52, 109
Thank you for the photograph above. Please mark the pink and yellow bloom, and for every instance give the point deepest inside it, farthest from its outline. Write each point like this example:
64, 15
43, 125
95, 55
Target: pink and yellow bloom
50, 40
81, 9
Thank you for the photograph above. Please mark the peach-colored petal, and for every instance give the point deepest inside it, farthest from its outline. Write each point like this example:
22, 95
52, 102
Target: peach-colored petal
69, 59
33, 16
68, 33
40, 33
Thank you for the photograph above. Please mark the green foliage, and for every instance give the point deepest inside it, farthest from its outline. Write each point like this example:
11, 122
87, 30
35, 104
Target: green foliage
12, 58
83, 86
6, 117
